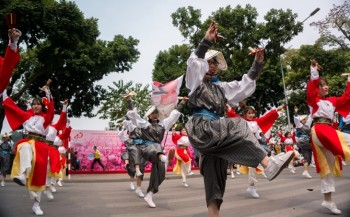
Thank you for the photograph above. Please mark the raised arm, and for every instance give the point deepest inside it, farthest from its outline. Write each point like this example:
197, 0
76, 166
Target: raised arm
50, 113
133, 115
296, 118
10, 60
342, 104
15, 116
174, 115
312, 86
236, 91
197, 66
267, 120
61, 123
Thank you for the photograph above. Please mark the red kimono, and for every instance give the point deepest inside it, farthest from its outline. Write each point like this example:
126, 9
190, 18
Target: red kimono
32, 123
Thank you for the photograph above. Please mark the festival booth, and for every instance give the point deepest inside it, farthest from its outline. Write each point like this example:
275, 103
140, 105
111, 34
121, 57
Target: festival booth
110, 146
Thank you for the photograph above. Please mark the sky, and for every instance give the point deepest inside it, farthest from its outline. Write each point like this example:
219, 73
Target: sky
150, 22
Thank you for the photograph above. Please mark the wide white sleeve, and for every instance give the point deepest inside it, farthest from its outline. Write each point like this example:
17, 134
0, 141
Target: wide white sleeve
122, 136
314, 73
128, 125
196, 69
135, 119
346, 119
236, 91
297, 121
171, 120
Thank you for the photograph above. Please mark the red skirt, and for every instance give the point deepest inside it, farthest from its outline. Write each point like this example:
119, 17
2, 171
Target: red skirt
182, 154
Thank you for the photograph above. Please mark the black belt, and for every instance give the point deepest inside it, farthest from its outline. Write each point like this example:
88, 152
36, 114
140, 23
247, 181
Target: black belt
41, 138
37, 137
322, 121
50, 143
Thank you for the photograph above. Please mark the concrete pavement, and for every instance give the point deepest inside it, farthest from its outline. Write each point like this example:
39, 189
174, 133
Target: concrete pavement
289, 195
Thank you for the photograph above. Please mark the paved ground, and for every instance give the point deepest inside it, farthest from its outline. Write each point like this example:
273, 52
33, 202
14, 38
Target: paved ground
290, 195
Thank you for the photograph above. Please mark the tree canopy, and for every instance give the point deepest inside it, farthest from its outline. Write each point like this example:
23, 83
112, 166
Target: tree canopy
337, 19
114, 107
241, 30
58, 43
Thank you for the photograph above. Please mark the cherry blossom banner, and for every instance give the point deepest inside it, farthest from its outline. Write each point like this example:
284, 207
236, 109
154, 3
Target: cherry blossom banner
110, 146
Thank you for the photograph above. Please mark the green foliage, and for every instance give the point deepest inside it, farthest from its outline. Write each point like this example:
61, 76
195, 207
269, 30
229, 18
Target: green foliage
187, 20
338, 19
60, 44
241, 30
113, 105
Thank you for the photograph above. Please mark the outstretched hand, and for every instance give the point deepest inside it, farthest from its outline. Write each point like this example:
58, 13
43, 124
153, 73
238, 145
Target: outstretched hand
14, 34
65, 102
44, 88
315, 64
212, 31
259, 55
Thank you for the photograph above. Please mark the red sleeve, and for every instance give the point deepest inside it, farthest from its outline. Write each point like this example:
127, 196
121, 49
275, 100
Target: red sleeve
293, 138
49, 113
281, 137
15, 116
232, 113
66, 133
312, 92
175, 137
342, 105
10, 61
61, 123
265, 122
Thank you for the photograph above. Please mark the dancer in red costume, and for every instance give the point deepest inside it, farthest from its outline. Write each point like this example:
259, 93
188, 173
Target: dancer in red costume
10, 60
183, 159
54, 162
259, 127
62, 140
327, 143
30, 163
288, 140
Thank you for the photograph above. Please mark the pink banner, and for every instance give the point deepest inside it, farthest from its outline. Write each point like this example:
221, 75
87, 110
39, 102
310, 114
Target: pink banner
110, 147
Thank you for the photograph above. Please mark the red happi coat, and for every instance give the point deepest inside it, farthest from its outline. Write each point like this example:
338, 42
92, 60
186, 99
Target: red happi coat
324, 135
32, 123
54, 155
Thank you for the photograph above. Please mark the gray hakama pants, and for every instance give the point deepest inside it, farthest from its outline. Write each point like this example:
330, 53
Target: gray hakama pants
220, 141
150, 152
131, 166
5, 163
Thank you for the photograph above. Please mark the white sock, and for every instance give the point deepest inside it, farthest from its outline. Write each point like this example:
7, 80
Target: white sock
150, 194
138, 171
36, 204
138, 188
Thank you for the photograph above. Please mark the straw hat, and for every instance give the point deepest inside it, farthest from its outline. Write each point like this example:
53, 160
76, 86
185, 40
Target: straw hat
219, 57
